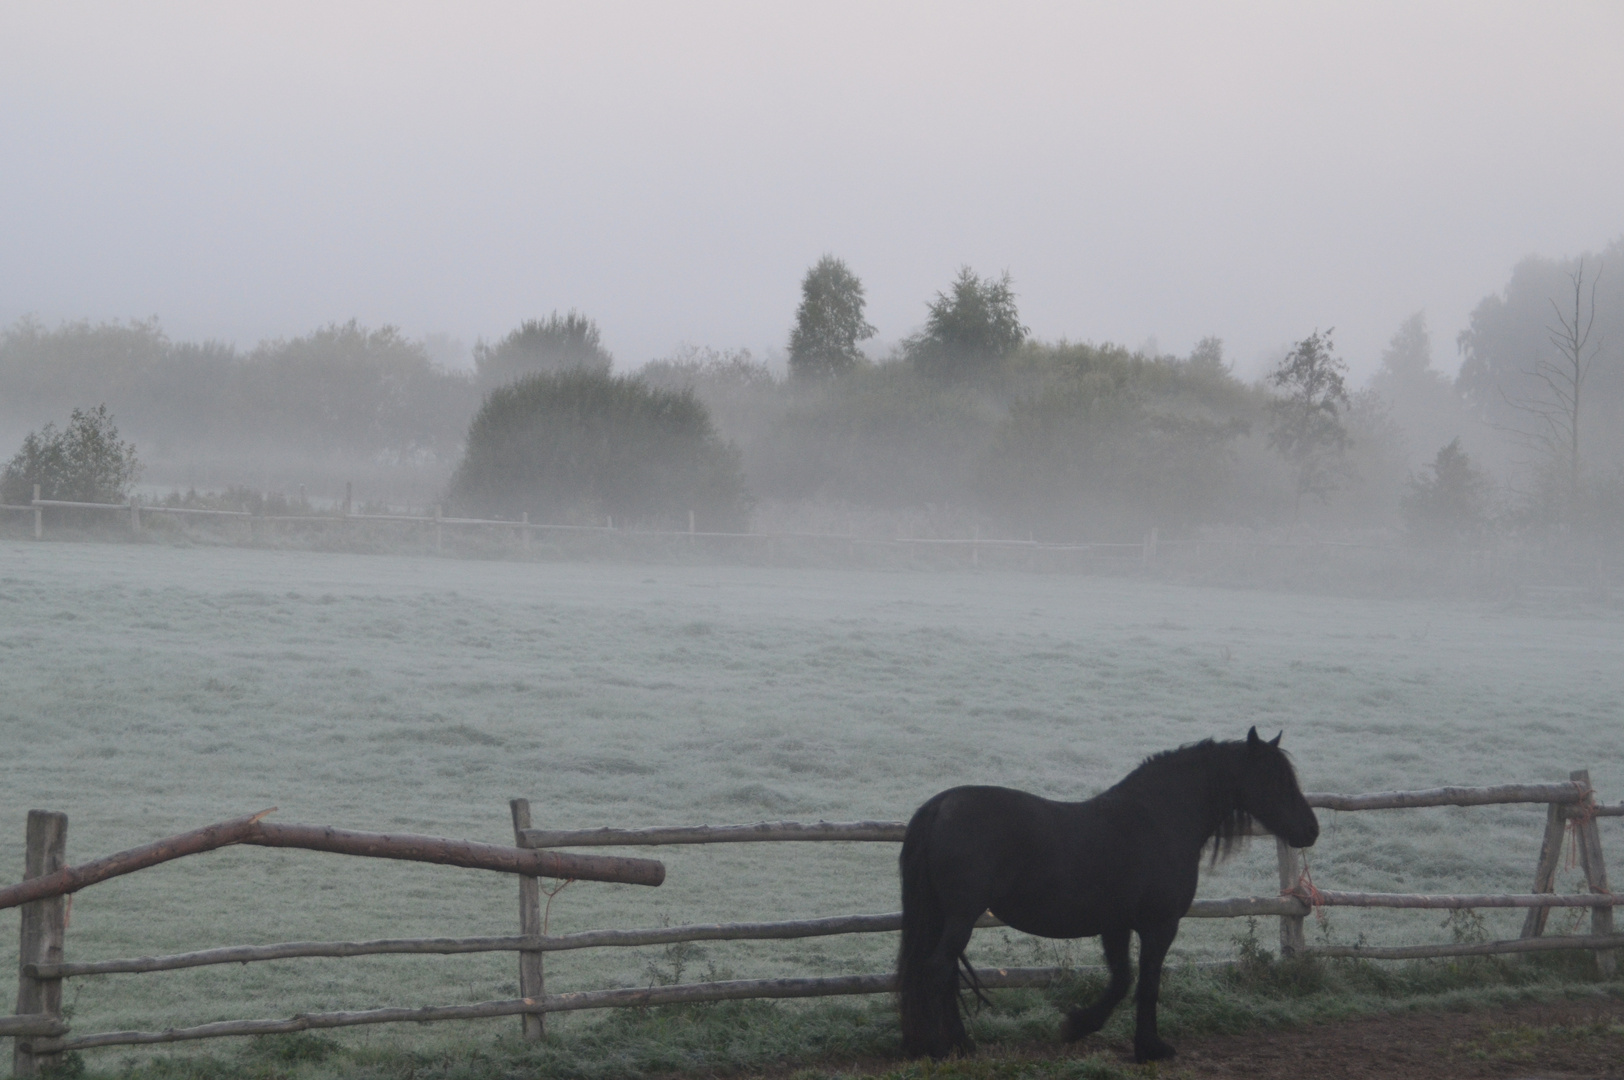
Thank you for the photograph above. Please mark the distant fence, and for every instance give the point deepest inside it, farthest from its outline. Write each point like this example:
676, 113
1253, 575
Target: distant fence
42, 1032
525, 532
1215, 558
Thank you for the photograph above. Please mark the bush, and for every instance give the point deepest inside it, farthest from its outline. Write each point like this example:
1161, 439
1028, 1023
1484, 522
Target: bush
1449, 506
543, 346
85, 462
581, 444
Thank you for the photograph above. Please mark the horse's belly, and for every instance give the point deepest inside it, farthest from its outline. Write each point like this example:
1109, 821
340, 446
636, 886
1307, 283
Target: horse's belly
1055, 924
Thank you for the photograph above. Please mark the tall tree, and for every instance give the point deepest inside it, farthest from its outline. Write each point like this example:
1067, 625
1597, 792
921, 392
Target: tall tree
1552, 415
1307, 427
971, 327
1422, 401
1508, 331
829, 323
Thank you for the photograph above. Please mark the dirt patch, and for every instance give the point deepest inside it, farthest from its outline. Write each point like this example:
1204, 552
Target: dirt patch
1547, 1041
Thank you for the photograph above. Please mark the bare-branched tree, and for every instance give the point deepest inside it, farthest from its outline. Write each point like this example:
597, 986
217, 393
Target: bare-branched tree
1551, 427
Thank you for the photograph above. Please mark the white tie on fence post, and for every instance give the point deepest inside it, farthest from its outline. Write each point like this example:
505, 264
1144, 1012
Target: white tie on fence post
1587, 838
39, 516
44, 926
1292, 940
532, 984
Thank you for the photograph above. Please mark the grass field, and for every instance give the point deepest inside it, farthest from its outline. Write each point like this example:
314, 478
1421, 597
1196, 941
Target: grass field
146, 689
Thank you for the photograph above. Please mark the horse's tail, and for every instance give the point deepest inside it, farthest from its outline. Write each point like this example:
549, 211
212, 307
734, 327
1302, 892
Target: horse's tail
922, 927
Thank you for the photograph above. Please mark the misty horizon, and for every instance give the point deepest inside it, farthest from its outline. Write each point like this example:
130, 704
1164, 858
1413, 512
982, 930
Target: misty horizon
1168, 173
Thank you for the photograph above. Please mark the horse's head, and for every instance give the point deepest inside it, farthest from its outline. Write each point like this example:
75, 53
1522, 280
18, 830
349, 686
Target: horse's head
1269, 792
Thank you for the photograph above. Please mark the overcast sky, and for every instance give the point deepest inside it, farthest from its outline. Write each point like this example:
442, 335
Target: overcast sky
1253, 171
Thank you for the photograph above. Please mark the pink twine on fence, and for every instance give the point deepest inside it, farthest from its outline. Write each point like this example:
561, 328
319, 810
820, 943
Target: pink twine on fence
1306, 891
1579, 817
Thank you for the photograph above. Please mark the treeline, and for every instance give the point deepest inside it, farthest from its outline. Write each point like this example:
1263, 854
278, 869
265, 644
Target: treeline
1060, 439
338, 398
1057, 439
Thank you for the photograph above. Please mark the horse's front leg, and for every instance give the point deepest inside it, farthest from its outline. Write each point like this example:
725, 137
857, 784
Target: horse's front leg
1154, 941
1081, 1022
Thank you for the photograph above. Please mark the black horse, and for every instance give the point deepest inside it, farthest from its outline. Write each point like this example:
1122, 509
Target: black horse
1124, 861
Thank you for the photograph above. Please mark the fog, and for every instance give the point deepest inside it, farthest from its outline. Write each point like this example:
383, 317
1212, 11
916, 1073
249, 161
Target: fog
1169, 170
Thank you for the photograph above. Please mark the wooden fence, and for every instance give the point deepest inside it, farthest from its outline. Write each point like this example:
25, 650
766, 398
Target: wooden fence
1242, 559
42, 1033
526, 533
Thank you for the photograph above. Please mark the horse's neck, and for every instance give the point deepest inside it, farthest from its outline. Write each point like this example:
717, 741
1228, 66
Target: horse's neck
1198, 799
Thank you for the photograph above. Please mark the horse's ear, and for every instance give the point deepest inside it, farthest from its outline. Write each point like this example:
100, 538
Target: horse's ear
1252, 740
1276, 740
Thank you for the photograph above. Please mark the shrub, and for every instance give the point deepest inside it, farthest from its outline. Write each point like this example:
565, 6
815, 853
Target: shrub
581, 444
1449, 506
543, 346
85, 462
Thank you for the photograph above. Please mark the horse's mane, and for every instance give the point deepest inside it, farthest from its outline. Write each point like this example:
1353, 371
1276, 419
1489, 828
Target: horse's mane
1160, 771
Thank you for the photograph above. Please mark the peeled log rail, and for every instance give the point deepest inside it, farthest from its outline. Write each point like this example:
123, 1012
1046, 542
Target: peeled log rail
1564, 793
586, 939
251, 830
73, 878
475, 856
32, 1024
1448, 796
1478, 948
716, 834
1329, 898
995, 978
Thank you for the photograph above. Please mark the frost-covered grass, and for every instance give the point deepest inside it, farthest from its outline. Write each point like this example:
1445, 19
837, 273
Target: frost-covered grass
148, 689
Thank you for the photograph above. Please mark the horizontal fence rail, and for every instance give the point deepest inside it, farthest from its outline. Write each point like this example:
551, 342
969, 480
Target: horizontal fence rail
253, 831
1224, 908
629, 997
892, 831
1571, 810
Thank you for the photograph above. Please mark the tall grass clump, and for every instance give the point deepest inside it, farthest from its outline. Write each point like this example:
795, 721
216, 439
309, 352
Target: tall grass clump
585, 445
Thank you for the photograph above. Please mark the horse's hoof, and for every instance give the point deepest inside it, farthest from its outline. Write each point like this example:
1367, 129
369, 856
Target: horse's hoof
1078, 1025
1152, 1050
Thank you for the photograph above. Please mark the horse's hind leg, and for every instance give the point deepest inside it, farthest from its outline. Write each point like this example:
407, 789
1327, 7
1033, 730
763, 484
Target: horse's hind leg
949, 1034
1153, 945
1080, 1022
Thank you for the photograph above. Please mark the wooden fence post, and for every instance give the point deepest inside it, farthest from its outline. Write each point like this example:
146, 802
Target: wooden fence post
135, 515
1587, 838
39, 516
1292, 939
439, 534
44, 926
532, 984
1550, 854
524, 532
349, 498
